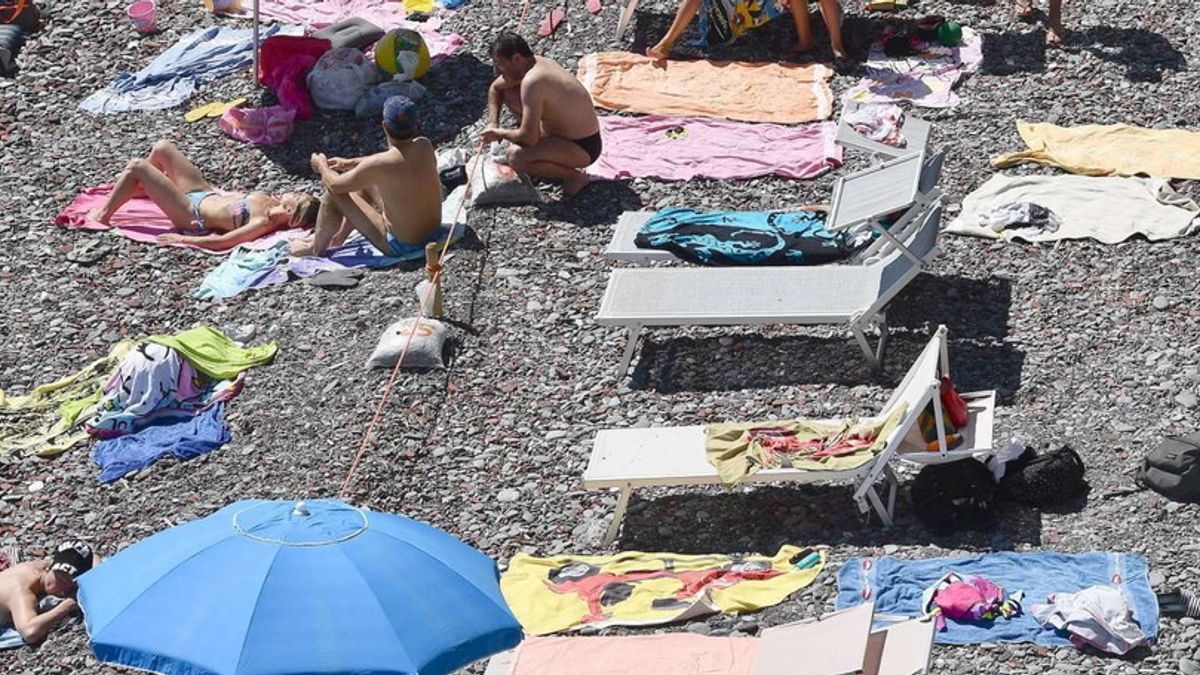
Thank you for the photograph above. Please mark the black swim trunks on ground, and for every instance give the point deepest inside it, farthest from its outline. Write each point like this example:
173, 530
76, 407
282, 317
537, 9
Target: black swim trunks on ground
591, 145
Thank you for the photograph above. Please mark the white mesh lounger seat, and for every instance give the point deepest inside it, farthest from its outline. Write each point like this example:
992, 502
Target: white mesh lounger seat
854, 295
916, 133
670, 456
913, 184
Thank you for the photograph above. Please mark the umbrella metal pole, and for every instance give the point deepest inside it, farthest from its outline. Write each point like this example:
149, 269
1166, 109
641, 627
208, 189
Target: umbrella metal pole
254, 73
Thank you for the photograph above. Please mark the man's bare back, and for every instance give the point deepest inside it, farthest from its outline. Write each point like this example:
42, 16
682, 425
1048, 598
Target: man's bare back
405, 185
567, 109
22, 587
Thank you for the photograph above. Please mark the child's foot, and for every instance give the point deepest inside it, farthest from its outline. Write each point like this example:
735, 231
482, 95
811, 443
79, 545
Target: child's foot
1056, 35
576, 184
1023, 9
98, 216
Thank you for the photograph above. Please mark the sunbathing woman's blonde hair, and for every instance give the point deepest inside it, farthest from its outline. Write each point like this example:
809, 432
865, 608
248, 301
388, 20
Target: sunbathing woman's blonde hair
305, 213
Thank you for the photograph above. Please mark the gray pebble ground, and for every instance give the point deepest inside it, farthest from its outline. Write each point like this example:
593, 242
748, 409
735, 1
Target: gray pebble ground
1095, 345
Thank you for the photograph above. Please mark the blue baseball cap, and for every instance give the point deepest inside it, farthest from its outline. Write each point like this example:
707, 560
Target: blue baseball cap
400, 117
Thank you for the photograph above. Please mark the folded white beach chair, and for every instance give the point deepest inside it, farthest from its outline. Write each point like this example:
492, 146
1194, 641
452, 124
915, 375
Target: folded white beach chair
838, 643
669, 456
852, 295
909, 182
916, 133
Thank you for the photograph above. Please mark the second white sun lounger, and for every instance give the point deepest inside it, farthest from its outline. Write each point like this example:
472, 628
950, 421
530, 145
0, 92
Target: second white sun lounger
855, 296
627, 459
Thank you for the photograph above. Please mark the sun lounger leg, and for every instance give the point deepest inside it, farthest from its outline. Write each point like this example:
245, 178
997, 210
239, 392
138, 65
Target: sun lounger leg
861, 338
634, 331
883, 339
618, 516
878, 504
893, 483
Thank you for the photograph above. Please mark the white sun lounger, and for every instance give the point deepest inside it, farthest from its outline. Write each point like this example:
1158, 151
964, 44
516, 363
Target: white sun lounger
853, 295
916, 133
675, 455
916, 182
671, 456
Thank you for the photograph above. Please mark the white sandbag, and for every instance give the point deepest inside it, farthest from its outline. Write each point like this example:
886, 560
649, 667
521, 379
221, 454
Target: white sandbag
497, 183
425, 350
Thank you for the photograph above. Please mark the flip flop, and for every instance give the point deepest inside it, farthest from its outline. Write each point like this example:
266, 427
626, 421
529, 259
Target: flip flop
213, 109
551, 22
337, 279
88, 252
592, 6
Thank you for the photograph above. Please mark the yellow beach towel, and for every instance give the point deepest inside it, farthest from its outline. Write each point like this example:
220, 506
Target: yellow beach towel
49, 420
560, 593
783, 93
1109, 150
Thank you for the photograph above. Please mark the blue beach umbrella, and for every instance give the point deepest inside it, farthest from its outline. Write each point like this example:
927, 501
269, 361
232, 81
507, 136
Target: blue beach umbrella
268, 587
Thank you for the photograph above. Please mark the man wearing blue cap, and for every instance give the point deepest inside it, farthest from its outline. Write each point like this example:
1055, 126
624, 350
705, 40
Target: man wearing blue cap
394, 197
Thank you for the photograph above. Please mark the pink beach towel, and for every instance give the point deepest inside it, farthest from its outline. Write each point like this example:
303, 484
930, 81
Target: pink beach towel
141, 220
383, 13
683, 148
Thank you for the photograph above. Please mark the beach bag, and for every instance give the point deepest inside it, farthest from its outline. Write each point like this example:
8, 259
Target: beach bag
1044, 480
954, 496
260, 126
1173, 468
496, 183
340, 77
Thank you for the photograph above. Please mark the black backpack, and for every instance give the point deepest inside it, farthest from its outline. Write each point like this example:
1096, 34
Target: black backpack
953, 496
1044, 480
1173, 469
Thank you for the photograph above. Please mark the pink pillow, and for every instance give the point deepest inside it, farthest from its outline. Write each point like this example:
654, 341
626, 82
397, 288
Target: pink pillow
261, 126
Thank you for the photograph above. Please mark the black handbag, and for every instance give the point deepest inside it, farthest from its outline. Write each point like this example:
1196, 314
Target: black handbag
953, 496
1044, 479
1173, 468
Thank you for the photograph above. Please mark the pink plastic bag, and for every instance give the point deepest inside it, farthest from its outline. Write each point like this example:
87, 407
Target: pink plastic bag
260, 126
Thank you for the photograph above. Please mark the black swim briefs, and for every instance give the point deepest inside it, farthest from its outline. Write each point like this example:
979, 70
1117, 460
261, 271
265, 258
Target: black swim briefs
591, 145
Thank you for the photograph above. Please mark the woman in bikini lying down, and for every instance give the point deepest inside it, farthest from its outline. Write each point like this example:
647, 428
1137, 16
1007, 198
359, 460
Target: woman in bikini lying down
204, 217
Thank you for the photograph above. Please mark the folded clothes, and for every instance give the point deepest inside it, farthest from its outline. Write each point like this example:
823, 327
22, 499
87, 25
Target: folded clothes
1109, 150
684, 148
898, 587
783, 93
171, 78
141, 220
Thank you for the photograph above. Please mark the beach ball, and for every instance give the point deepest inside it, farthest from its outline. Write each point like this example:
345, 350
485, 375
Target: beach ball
402, 52
950, 34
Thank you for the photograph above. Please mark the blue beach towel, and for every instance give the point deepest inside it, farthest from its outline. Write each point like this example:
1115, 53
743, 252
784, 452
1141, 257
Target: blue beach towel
744, 237
183, 438
172, 77
896, 586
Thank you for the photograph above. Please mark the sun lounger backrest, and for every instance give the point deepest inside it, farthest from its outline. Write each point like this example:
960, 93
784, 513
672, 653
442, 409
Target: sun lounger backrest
871, 193
897, 269
922, 376
931, 173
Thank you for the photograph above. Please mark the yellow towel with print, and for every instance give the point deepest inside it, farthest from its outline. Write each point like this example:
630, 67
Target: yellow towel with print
739, 450
1109, 150
561, 593
49, 420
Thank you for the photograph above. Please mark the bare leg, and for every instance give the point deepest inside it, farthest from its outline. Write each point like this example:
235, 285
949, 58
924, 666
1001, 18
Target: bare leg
683, 16
555, 158
356, 209
1055, 33
830, 12
141, 175
168, 159
331, 229
804, 36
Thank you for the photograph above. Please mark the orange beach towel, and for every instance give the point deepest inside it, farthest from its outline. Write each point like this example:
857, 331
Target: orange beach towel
783, 93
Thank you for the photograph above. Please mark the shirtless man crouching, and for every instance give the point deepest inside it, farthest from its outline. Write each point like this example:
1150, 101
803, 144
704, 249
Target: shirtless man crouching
394, 197
558, 132
23, 586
